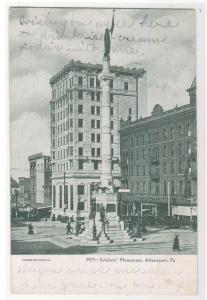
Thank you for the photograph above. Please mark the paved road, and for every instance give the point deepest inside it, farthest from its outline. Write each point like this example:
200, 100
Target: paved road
50, 238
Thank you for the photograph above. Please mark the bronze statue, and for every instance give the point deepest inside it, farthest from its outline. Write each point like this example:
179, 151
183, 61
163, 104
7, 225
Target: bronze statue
107, 38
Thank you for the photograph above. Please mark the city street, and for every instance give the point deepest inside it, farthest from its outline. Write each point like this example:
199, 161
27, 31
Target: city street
50, 238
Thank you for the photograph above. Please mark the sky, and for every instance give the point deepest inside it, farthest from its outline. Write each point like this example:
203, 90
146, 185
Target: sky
43, 40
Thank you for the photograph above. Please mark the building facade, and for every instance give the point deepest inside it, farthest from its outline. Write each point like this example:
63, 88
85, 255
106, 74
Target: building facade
40, 179
24, 191
159, 160
76, 131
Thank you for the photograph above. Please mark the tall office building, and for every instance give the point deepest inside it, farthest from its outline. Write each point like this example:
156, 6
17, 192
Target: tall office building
76, 131
40, 179
159, 161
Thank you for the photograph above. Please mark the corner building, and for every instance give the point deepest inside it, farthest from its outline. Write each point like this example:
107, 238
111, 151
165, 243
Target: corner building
159, 162
76, 131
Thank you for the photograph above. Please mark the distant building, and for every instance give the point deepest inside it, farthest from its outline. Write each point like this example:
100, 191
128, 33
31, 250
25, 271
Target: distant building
40, 179
159, 161
76, 130
24, 191
14, 193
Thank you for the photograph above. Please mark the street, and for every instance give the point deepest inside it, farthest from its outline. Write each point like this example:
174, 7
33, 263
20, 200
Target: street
50, 238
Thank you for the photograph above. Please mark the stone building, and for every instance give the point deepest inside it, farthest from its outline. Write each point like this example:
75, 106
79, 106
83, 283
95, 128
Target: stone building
24, 191
159, 161
40, 179
76, 131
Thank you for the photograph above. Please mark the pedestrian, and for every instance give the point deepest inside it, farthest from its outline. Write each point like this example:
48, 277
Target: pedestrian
68, 228
176, 243
30, 229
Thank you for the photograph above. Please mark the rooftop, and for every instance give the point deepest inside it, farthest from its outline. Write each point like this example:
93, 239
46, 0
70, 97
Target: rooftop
78, 65
36, 156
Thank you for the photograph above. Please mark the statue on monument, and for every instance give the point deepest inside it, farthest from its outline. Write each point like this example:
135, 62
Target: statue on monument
107, 38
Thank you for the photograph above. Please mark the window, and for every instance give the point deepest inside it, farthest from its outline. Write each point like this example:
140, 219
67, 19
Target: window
143, 170
80, 164
93, 152
54, 196
149, 138
92, 110
132, 156
80, 109
165, 188
71, 123
165, 168
143, 139
157, 189
71, 136
60, 197
98, 110
180, 149
137, 170
80, 151
172, 187
172, 150
112, 152
172, 167
188, 130
112, 138
131, 141
97, 83
71, 95
111, 84
80, 80
180, 186
80, 136
171, 132
80, 123
71, 108
143, 187
98, 96
53, 117
66, 195
180, 167
93, 137
92, 123
143, 153
111, 98
95, 165
92, 96
98, 152
80, 95
112, 111
188, 148
112, 125
98, 124
137, 187
98, 138
80, 190
126, 86
91, 82
71, 151
164, 134
137, 154
180, 131
53, 130
53, 143
164, 151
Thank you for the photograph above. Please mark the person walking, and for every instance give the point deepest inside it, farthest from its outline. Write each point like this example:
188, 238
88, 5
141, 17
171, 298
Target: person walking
176, 243
68, 228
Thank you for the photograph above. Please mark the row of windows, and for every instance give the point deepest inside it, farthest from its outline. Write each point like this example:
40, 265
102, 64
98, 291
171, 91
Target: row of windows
93, 82
182, 167
157, 189
156, 135
166, 151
